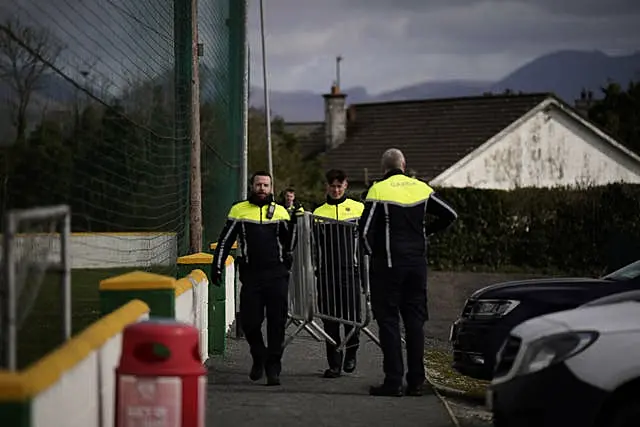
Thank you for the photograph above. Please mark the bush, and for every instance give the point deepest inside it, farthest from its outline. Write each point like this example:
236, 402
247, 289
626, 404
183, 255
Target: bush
587, 231
574, 231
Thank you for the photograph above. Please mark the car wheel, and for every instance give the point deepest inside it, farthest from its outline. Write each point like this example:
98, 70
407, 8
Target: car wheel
625, 414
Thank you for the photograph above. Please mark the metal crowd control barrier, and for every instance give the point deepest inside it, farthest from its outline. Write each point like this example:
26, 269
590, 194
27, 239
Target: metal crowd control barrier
301, 291
330, 280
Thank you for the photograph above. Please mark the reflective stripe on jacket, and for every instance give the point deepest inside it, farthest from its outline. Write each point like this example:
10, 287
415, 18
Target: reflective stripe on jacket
335, 243
393, 225
265, 236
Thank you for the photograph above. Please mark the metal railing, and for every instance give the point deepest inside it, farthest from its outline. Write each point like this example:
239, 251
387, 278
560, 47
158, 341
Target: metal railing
329, 280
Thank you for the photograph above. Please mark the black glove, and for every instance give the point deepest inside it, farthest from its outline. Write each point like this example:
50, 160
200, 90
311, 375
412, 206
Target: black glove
294, 217
216, 277
288, 261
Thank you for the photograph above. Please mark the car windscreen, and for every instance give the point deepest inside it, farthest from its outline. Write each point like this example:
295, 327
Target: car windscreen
628, 272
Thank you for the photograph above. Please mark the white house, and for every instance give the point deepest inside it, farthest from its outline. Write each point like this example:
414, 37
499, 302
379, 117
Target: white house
498, 142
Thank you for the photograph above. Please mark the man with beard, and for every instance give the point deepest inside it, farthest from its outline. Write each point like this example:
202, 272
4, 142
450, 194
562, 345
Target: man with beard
265, 233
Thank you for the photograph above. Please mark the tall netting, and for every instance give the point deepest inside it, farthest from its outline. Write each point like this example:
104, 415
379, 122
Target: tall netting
222, 33
95, 113
90, 120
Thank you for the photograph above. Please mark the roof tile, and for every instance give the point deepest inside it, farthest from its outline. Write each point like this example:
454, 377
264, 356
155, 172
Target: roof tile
433, 133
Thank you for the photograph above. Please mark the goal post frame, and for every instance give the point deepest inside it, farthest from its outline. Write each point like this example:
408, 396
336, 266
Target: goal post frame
61, 214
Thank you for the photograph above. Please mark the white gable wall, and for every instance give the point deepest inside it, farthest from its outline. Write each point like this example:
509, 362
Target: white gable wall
547, 149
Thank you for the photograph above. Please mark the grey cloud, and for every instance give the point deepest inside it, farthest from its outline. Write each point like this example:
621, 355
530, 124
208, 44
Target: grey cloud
517, 28
385, 42
569, 7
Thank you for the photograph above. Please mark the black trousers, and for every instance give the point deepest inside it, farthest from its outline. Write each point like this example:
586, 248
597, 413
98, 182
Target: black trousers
400, 291
335, 358
339, 296
269, 294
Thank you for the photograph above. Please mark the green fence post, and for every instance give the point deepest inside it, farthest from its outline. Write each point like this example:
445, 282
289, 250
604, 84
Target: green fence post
15, 413
204, 261
217, 298
157, 291
236, 281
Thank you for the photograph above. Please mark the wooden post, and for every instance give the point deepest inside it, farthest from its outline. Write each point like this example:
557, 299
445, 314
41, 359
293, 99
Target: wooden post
195, 206
267, 106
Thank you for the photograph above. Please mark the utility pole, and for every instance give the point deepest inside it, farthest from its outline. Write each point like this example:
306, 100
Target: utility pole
244, 165
267, 109
338, 60
195, 206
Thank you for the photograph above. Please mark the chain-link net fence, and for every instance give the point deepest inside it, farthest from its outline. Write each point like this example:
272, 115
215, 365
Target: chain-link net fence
221, 79
95, 113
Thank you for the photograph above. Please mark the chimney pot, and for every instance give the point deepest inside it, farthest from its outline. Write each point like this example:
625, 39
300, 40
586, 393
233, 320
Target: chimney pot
335, 117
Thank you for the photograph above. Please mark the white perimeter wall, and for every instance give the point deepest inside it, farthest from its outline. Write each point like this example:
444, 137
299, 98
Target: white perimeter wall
230, 298
84, 394
100, 250
192, 307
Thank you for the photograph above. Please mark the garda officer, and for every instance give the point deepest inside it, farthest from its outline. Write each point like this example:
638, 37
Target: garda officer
394, 233
290, 203
338, 279
265, 234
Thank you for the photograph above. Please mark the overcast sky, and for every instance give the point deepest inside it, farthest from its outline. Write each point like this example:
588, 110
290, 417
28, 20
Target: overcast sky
390, 43
385, 43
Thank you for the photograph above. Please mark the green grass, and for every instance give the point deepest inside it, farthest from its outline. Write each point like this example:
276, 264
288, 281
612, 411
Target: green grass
41, 331
440, 372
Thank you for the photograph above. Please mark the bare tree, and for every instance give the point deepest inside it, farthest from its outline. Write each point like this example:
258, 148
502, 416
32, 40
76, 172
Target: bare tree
25, 55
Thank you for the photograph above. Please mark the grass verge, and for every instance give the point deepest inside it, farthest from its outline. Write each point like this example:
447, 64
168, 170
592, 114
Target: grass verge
443, 377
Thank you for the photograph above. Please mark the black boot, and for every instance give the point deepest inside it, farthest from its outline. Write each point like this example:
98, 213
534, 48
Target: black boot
273, 374
257, 370
332, 373
335, 364
418, 390
386, 390
350, 362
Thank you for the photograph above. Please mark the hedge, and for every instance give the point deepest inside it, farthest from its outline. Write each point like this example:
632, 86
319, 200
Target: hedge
579, 231
586, 231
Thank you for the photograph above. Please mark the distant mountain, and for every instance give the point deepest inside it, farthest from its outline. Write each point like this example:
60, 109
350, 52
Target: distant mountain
434, 89
564, 73
301, 105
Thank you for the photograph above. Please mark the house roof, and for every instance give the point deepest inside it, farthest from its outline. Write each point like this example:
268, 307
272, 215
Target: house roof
309, 135
433, 133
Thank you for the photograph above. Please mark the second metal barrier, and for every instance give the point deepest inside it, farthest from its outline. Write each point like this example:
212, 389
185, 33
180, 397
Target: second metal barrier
330, 282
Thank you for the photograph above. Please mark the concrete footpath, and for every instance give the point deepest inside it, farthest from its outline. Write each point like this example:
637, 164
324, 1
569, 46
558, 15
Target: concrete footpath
307, 399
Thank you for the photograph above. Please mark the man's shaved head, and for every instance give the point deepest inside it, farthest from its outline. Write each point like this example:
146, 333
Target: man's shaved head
393, 159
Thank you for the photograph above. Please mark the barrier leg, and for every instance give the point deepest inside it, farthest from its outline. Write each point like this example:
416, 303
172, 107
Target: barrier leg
312, 328
372, 336
309, 328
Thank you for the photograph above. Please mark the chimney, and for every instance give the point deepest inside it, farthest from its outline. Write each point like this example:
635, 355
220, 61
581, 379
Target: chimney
583, 104
335, 117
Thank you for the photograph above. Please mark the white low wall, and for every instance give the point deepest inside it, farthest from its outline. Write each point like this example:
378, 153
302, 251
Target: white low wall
74, 385
230, 291
100, 250
192, 306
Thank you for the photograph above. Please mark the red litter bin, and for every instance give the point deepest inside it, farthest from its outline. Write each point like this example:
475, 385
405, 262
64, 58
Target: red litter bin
160, 381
